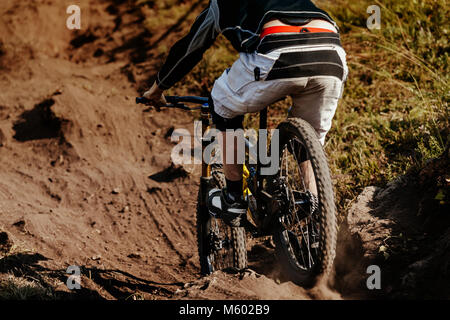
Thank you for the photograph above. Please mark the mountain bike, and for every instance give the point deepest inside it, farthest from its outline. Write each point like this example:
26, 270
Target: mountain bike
301, 222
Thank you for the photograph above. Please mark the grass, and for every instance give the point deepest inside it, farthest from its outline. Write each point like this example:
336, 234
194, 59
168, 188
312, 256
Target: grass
19, 288
13, 287
162, 15
393, 116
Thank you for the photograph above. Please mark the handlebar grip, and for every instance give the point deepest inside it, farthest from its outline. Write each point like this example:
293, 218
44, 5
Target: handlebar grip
141, 100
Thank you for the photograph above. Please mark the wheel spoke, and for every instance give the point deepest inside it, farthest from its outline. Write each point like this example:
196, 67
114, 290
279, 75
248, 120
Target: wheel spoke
295, 185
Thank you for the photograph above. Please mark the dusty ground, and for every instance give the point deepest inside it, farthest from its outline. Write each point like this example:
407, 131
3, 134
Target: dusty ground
77, 155
77, 166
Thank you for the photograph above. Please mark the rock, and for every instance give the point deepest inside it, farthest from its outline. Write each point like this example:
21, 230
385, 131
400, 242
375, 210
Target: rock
404, 230
116, 190
390, 190
125, 209
249, 273
365, 225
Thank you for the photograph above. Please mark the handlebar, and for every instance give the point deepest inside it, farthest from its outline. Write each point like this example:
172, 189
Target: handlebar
177, 101
188, 99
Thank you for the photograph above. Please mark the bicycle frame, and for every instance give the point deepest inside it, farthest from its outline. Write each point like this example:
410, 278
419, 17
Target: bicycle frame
272, 205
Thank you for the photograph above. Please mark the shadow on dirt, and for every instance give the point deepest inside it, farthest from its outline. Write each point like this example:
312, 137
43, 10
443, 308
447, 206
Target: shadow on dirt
26, 265
118, 284
82, 39
169, 174
38, 123
121, 284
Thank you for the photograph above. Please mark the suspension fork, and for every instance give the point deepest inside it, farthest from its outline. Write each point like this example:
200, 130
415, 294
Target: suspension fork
262, 198
205, 179
206, 169
265, 202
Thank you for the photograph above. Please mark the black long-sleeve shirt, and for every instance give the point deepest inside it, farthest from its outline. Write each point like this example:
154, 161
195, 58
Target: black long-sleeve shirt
240, 21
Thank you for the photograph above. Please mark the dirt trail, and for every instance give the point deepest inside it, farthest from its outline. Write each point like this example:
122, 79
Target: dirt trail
76, 156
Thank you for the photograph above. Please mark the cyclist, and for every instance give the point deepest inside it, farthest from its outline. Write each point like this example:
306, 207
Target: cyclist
287, 48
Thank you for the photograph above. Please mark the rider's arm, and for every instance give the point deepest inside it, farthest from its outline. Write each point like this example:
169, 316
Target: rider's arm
188, 51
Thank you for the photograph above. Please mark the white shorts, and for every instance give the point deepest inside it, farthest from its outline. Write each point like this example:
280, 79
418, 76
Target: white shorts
315, 97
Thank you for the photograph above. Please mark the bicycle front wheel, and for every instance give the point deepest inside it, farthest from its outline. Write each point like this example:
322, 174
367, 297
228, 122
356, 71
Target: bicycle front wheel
220, 246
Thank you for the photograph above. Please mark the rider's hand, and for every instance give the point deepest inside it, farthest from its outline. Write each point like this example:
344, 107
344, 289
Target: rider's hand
155, 97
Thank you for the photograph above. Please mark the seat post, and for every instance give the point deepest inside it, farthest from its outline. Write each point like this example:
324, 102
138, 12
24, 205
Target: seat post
263, 119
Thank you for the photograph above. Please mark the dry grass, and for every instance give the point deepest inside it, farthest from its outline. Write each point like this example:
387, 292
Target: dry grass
18, 288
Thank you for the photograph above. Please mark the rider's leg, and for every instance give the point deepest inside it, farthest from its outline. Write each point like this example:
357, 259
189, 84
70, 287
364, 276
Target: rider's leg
231, 140
317, 105
308, 176
229, 203
232, 168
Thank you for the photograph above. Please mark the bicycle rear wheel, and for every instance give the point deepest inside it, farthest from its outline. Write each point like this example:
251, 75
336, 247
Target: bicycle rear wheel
220, 246
306, 236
